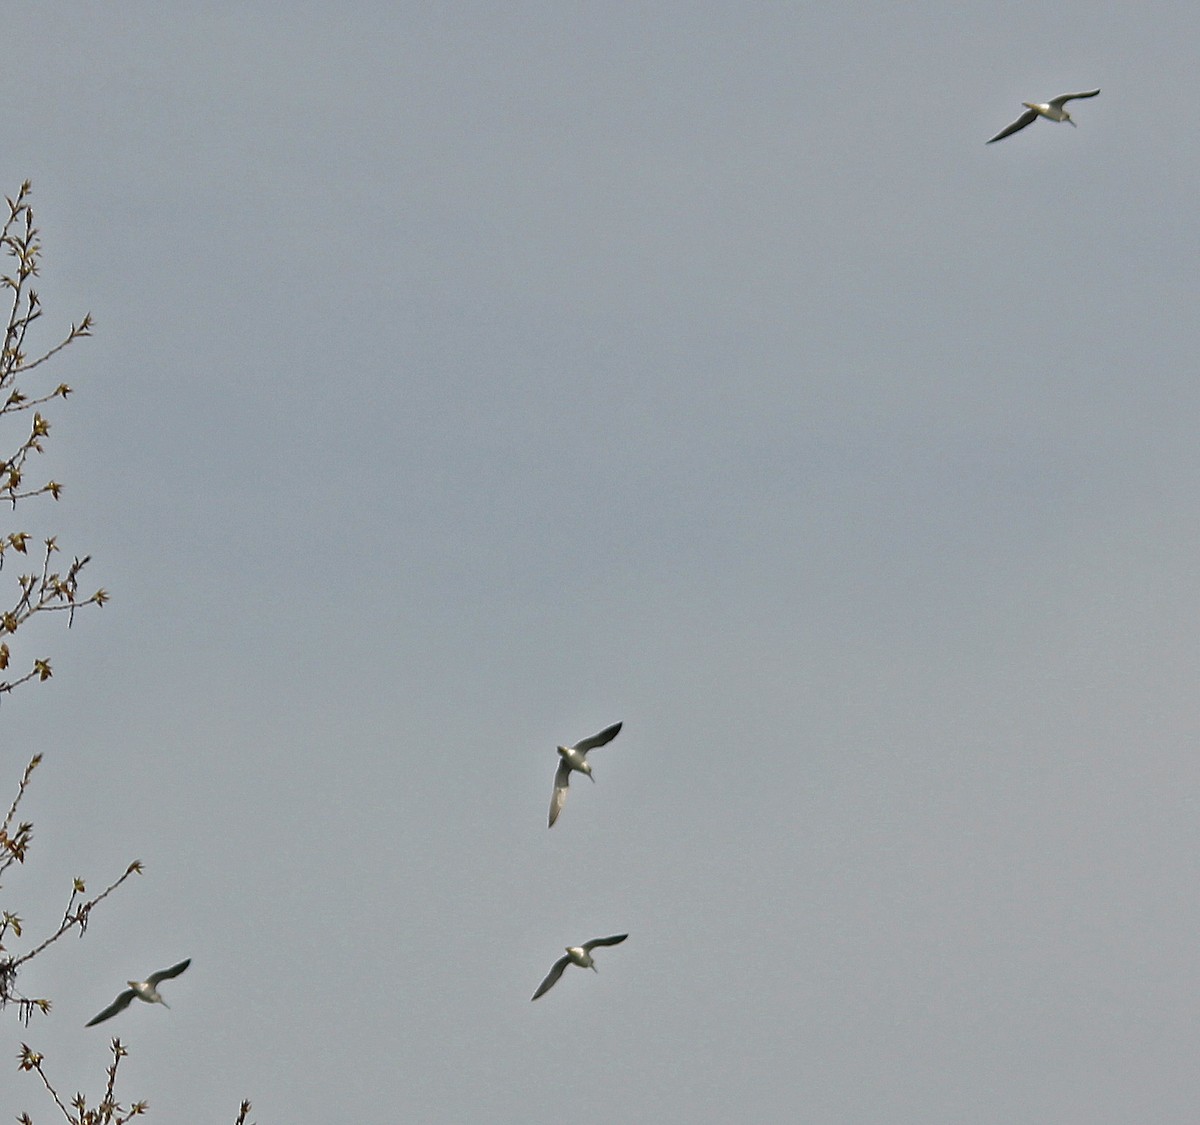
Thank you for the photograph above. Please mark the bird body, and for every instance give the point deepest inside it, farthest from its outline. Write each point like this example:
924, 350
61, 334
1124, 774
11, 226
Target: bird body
573, 759
580, 955
146, 990
1053, 110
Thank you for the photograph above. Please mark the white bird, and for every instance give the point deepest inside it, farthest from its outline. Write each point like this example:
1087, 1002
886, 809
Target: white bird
580, 955
1051, 110
575, 758
143, 989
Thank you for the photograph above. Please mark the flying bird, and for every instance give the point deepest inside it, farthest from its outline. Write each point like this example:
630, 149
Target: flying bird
575, 758
580, 955
143, 989
1052, 110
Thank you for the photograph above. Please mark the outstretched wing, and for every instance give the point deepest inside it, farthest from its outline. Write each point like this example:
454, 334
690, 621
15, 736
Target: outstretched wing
614, 940
1026, 118
118, 1005
551, 977
562, 778
167, 974
1062, 99
606, 735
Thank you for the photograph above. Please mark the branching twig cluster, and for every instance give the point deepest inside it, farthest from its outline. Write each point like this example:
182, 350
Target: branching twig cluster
41, 589
44, 588
108, 1111
14, 846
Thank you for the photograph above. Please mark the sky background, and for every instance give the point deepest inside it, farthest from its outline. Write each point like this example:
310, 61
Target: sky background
469, 377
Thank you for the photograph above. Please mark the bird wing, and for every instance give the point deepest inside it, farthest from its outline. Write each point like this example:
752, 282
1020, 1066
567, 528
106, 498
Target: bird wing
606, 735
167, 974
562, 778
118, 1005
1063, 98
616, 939
551, 977
1026, 118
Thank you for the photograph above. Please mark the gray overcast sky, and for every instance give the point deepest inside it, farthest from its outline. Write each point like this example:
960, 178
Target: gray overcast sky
469, 377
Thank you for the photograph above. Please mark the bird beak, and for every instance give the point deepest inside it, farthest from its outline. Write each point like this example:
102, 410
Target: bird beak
1072, 123
592, 777
594, 969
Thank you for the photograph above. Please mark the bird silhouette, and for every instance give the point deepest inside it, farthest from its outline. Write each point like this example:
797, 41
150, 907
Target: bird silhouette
574, 758
580, 955
1051, 111
143, 989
